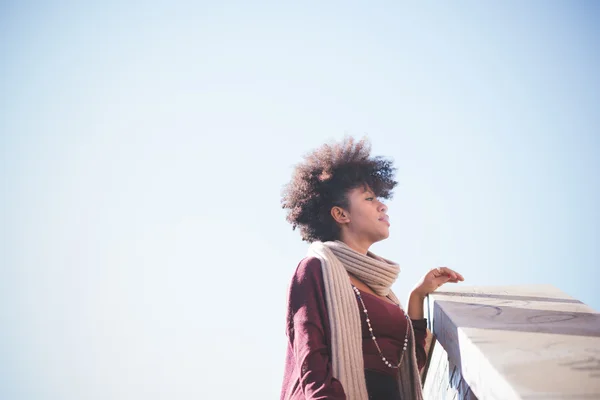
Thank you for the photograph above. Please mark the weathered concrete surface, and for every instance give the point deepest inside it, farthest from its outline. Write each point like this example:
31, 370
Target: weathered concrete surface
516, 342
444, 379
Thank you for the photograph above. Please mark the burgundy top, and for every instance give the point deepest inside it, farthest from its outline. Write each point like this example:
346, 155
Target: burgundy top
308, 372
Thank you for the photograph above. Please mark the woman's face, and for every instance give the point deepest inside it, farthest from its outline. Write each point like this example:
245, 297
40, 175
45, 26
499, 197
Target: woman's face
367, 220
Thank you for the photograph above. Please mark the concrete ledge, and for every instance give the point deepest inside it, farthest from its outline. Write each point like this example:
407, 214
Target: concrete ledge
515, 342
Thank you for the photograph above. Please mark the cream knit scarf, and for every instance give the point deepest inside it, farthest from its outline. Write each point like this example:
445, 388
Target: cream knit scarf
337, 260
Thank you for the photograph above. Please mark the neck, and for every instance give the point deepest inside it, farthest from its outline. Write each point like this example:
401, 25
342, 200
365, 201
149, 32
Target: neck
355, 243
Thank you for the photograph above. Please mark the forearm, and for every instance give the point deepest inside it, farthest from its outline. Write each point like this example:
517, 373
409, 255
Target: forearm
415, 306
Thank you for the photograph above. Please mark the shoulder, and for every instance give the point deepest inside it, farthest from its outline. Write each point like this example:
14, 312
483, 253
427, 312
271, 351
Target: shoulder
308, 270
308, 266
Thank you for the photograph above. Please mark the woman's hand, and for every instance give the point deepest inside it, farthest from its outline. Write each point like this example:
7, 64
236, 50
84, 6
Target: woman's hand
434, 279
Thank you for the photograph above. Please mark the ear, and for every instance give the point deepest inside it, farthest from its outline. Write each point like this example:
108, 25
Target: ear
340, 215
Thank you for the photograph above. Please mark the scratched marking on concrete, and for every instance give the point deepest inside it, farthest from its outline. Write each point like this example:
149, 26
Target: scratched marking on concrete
549, 318
589, 364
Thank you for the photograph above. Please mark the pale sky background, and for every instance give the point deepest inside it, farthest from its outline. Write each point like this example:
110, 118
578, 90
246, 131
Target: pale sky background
143, 148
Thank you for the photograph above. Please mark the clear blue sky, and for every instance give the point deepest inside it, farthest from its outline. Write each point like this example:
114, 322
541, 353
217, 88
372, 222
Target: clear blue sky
143, 148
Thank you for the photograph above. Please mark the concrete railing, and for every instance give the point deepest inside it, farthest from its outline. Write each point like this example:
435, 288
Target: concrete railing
514, 342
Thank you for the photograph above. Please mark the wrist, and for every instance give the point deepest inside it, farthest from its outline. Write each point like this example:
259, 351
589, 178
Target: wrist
417, 295
415, 307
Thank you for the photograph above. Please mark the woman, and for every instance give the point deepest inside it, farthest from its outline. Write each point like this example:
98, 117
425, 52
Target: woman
348, 335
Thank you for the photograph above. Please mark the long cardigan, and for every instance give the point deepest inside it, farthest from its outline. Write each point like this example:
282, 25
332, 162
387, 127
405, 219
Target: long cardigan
307, 373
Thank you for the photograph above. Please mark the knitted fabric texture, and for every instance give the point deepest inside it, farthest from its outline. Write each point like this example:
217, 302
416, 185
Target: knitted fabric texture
337, 260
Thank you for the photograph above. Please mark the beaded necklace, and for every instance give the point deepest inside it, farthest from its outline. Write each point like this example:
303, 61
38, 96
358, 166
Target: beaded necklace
386, 362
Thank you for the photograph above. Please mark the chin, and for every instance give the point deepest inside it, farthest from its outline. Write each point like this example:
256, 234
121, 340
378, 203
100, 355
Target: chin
383, 236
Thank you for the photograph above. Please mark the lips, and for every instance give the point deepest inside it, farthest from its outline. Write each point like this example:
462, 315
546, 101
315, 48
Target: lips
385, 219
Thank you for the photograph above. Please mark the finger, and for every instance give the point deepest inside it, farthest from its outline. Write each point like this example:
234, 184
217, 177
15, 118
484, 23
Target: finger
446, 279
440, 280
455, 274
448, 271
458, 276
439, 271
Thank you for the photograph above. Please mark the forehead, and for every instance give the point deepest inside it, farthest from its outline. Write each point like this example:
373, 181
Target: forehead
361, 190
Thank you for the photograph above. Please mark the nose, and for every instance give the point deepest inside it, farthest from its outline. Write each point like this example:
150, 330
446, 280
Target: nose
382, 207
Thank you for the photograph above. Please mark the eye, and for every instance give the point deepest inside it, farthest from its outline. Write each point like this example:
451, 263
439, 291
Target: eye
370, 198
